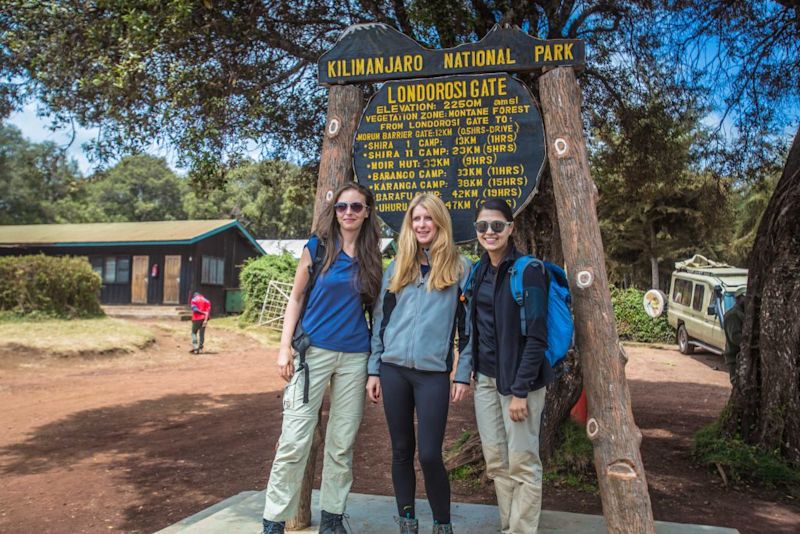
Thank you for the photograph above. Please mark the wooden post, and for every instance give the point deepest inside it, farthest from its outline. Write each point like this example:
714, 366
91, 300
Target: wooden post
345, 104
611, 428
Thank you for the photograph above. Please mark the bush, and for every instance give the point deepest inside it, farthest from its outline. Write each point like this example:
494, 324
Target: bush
741, 461
572, 462
255, 277
633, 324
51, 286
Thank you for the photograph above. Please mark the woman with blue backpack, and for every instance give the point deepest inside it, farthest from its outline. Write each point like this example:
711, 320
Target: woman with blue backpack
509, 342
326, 342
414, 326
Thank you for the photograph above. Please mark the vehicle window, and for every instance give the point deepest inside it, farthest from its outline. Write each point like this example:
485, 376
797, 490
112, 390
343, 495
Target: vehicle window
699, 293
682, 292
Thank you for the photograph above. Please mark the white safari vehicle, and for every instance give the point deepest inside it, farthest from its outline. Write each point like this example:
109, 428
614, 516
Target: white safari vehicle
700, 293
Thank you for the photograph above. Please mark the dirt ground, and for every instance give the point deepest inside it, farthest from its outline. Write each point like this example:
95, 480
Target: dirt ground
138, 441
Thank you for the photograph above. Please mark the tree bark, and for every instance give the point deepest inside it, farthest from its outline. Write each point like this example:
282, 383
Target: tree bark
345, 104
611, 428
764, 408
536, 232
654, 278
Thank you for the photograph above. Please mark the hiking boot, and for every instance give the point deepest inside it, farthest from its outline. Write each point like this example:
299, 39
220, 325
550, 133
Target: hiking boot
407, 525
272, 527
442, 528
332, 523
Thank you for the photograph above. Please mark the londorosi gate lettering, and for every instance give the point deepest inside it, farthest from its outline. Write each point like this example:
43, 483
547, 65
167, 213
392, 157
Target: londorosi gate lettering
446, 124
463, 138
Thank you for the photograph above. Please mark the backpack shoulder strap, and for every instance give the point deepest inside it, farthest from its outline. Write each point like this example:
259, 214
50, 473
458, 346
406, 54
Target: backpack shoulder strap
517, 284
465, 293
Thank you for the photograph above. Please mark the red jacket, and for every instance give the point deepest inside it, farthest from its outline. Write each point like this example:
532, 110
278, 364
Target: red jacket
201, 308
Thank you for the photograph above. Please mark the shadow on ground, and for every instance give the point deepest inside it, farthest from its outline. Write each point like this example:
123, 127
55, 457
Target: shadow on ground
180, 453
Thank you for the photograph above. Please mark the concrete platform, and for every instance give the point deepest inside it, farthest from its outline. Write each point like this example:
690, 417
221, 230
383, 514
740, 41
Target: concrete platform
373, 514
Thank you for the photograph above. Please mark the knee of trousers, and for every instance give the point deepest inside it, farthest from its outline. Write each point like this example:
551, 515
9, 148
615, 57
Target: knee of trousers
402, 455
430, 458
525, 467
496, 458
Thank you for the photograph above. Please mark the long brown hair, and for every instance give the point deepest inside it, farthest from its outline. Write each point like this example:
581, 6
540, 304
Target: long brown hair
446, 266
368, 248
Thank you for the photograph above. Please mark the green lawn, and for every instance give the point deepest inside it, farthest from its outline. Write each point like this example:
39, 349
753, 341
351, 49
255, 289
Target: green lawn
265, 336
75, 336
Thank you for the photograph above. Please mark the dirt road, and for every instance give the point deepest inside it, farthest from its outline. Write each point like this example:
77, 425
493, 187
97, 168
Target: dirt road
137, 442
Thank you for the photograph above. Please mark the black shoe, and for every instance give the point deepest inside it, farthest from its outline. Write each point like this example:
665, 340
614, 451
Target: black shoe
272, 527
332, 523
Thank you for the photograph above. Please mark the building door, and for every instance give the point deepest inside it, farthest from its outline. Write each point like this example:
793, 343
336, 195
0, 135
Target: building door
172, 279
139, 279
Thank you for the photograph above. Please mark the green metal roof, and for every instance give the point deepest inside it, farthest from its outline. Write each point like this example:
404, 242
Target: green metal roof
123, 233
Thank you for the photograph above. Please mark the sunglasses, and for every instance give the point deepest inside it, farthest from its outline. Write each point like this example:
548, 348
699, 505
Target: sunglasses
355, 207
497, 226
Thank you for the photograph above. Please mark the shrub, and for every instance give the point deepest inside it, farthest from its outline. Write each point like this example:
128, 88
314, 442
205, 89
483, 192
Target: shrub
53, 286
572, 462
633, 324
741, 461
255, 277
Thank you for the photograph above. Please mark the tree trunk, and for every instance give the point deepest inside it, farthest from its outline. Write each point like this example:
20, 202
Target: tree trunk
611, 428
536, 232
764, 408
654, 281
345, 104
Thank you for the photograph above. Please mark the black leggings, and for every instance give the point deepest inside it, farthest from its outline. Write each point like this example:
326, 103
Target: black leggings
404, 390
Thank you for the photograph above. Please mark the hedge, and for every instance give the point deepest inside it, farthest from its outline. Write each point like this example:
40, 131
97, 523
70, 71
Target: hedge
633, 324
54, 286
255, 277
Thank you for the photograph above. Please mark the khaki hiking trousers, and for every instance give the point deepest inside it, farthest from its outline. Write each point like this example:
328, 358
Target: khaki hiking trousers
511, 451
346, 372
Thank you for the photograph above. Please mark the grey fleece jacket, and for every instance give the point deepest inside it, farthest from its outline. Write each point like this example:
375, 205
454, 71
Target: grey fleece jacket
416, 328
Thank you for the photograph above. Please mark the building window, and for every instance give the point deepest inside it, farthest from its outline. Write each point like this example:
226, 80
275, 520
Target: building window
213, 271
699, 293
113, 269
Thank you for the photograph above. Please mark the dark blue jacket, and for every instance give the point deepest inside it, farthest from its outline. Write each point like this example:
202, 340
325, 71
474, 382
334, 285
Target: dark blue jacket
521, 363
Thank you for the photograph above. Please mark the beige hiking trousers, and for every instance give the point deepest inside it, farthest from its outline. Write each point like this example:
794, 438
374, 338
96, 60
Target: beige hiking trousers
511, 451
346, 372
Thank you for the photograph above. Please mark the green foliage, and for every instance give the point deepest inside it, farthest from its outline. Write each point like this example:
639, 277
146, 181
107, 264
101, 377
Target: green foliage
749, 204
571, 463
743, 462
653, 146
633, 324
138, 188
273, 199
255, 277
34, 179
469, 474
49, 286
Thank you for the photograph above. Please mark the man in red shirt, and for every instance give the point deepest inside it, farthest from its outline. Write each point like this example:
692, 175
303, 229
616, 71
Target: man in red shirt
201, 311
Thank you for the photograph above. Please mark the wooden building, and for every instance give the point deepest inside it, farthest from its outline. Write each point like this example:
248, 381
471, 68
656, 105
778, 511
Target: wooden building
159, 262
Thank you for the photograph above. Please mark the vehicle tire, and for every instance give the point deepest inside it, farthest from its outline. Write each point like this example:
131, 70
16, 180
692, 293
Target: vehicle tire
683, 341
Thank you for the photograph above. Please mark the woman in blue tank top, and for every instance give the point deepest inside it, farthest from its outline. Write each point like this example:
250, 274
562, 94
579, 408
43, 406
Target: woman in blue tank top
350, 270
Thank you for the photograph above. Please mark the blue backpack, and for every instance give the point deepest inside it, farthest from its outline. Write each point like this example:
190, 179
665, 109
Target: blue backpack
560, 326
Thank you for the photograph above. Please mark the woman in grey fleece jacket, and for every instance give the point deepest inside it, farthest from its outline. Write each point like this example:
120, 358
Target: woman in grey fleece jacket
414, 327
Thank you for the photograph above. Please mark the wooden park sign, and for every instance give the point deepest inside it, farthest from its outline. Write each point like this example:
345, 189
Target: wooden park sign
464, 138
377, 52
456, 123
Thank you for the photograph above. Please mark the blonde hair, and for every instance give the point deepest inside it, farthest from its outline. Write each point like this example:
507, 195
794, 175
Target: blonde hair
446, 264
